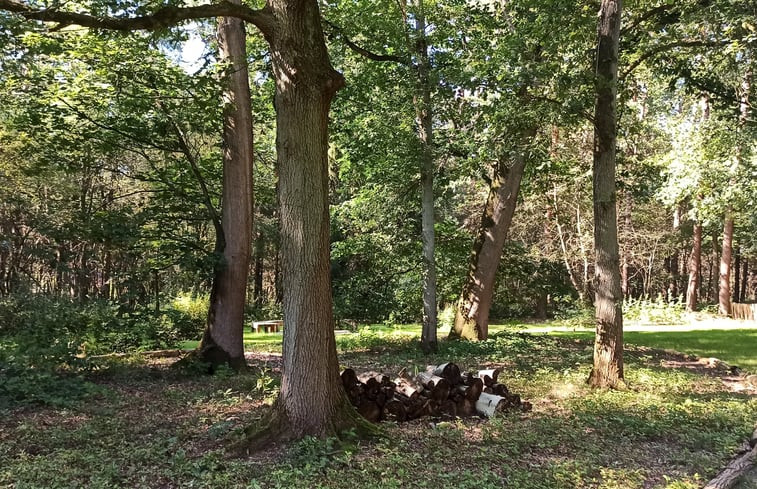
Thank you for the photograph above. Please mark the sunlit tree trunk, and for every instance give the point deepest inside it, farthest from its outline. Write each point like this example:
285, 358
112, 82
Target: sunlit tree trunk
724, 288
608, 345
222, 340
312, 400
424, 119
472, 318
695, 264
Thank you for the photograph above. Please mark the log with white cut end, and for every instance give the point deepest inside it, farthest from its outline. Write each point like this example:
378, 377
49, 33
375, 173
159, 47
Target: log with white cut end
489, 376
448, 370
490, 404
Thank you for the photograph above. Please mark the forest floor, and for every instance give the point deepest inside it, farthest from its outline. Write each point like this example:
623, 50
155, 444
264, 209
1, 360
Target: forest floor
147, 425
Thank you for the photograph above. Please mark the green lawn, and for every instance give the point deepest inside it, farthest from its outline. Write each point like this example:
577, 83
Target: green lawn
735, 346
145, 425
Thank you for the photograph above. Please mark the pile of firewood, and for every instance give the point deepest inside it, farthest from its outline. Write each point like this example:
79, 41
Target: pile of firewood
441, 391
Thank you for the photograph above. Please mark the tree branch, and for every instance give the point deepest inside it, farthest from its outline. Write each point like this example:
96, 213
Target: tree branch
646, 16
362, 51
687, 43
162, 18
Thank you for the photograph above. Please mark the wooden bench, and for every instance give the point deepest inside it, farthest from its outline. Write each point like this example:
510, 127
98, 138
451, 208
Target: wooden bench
273, 326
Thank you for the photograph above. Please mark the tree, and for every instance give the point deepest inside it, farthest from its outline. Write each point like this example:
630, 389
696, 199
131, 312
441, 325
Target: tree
472, 315
305, 86
608, 345
223, 339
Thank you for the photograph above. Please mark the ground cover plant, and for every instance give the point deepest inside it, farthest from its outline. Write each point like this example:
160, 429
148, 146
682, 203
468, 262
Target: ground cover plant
149, 425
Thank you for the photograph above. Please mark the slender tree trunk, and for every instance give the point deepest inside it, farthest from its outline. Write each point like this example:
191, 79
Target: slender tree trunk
257, 288
222, 340
608, 346
424, 118
572, 276
627, 228
744, 281
724, 289
713, 283
695, 264
472, 318
737, 275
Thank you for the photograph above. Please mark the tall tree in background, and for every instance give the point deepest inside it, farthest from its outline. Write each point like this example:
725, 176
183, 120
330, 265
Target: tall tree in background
724, 289
424, 122
608, 345
223, 339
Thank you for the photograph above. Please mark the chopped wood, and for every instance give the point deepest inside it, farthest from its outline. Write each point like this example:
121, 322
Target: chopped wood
349, 378
449, 371
489, 376
370, 411
440, 391
489, 404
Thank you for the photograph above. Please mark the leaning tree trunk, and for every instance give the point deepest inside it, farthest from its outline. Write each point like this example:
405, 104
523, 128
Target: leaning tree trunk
222, 341
608, 345
422, 101
312, 400
472, 318
695, 264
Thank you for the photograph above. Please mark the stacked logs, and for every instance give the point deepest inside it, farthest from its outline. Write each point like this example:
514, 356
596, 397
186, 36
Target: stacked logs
441, 391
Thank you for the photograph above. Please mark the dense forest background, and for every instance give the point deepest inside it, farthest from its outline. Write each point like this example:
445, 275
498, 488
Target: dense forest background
110, 174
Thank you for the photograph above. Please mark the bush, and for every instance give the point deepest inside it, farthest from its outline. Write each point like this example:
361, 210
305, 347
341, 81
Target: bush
658, 311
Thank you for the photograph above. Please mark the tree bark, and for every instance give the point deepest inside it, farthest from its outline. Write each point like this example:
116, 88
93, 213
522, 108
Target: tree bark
608, 345
222, 341
737, 275
424, 120
744, 281
312, 400
724, 289
627, 228
472, 318
695, 264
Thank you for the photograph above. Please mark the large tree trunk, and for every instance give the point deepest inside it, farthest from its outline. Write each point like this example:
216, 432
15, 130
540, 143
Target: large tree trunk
312, 400
472, 318
222, 341
608, 345
695, 263
423, 113
724, 289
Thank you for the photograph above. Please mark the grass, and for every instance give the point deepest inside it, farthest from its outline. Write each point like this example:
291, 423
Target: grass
735, 347
148, 426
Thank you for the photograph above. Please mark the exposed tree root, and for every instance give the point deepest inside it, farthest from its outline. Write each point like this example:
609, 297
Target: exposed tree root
275, 427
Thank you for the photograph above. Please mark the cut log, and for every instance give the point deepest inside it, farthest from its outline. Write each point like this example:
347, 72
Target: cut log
473, 390
370, 411
489, 376
449, 371
448, 408
408, 387
500, 390
349, 378
429, 380
466, 408
395, 411
489, 404
733, 472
